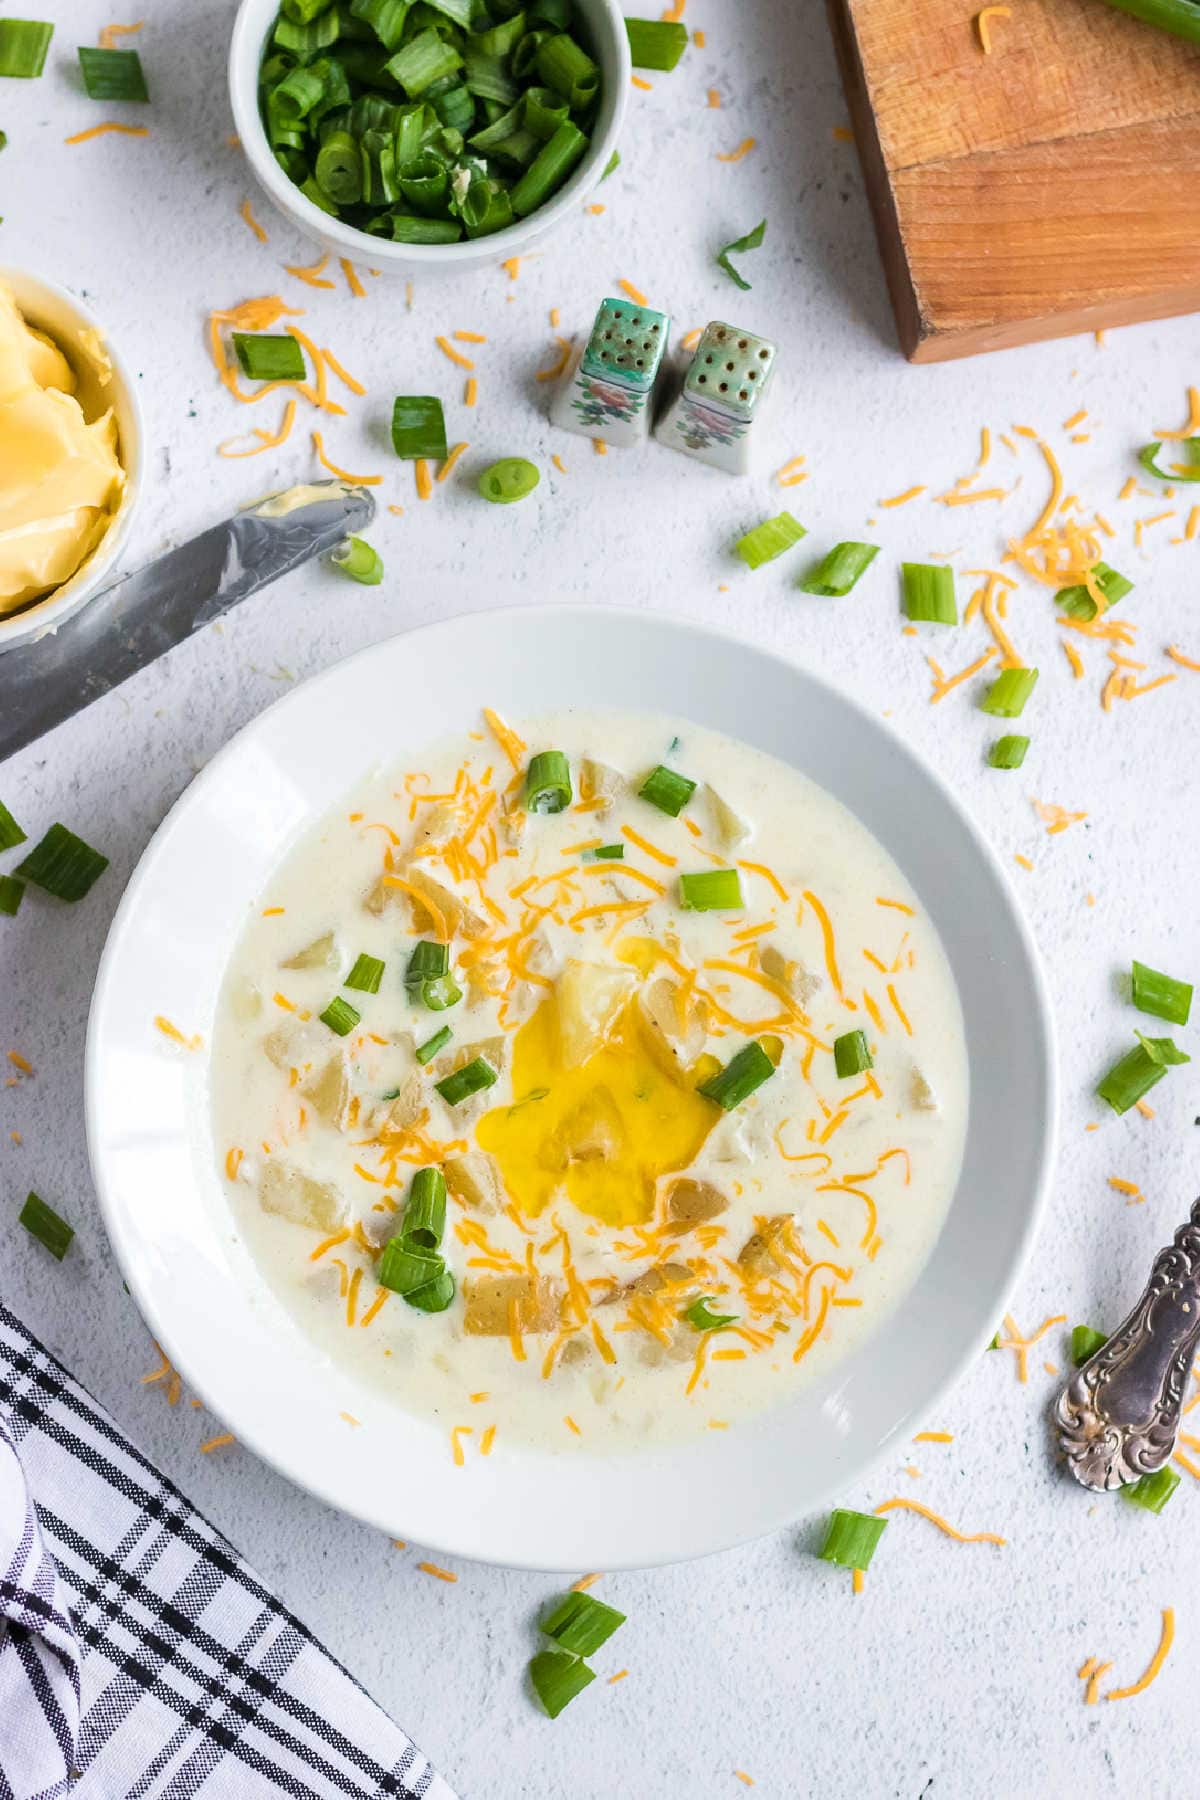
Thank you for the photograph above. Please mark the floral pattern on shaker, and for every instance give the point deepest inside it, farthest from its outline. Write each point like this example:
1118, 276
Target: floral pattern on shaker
701, 426
605, 403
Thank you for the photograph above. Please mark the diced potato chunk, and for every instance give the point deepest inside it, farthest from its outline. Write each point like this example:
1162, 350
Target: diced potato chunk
921, 1095
593, 1132
451, 909
798, 980
727, 827
677, 1030
297, 1045
290, 1194
692, 1202
395, 1116
245, 1001
436, 824
487, 1300
493, 1050
328, 1091
475, 1180
320, 954
598, 782
756, 1253
589, 1000
653, 1280
575, 1351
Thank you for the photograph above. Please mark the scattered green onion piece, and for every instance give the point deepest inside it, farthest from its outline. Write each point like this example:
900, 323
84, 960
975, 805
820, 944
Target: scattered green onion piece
751, 241
1163, 1051
512, 478
836, 573
667, 790
435, 1296
711, 890
358, 559
605, 853
366, 974
558, 1677
23, 47
418, 427
613, 163
425, 1212
1138, 1071
340, 1016
1161, 995
1078, 603
995, 1343
112, 74
407, 228
10, 832
441, 994
12, 892
548, 783
1188, 469
852, 1539
569, 70
548, 170
1008, 752
425, 59
1152, 1492
655, 43
471, 1079
581, 1624
929, 593
43, 1223
1176, 16
62, 865
404, 1269
269, 358
740, 1077
1006, 697
1085, 1341
769, 540
426, 960
699, 1316
426, 1052
339, 168
851, 1054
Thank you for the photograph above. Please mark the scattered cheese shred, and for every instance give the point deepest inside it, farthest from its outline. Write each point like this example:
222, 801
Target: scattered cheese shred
1023, 860
559, 464
1192, 425
164, 1025
944, 684
1185, 662
422, 479
456, 356
635, 294
267, 441
448, 466
584, 1583
1074, 658
252, 222
110, 33
556, 369
356, 387
428, 1568
310, 274
512, 266
352, 282
20, 1062
903, 499
457, 1433
743, 149
638, 82
342, 474
714, 98
1056, 819
487, 1440
934, 1437
95, 131
983, 24
599, 446
1166, 1639
691, 338
977, 1537
1136, 1196
217, 1443
470, 391
1022, 1346
619, 1676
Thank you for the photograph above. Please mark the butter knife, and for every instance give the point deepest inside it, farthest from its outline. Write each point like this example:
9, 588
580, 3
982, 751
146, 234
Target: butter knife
147, 613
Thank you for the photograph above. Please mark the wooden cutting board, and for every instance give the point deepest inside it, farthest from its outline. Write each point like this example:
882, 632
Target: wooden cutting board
1050, 187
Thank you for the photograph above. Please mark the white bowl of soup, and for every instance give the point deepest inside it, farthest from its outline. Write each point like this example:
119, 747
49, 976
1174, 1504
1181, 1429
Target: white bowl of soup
594, 1123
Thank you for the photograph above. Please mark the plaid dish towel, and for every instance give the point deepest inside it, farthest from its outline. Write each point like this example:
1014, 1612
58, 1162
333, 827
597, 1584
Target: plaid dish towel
140, 1658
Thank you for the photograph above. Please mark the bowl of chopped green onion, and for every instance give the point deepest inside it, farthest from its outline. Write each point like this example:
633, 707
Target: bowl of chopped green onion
418, 134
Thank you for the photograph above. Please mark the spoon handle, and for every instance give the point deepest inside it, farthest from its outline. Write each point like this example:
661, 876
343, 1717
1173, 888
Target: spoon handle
1119, 1414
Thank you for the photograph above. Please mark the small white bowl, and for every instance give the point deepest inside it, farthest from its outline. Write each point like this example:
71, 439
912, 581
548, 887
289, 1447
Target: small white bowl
605, 26
62, 318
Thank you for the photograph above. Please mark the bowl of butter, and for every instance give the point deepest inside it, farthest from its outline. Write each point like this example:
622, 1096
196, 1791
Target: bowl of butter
71, 438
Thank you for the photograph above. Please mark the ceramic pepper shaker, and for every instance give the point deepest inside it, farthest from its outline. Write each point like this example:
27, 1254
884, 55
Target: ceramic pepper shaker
607, 388
721, 398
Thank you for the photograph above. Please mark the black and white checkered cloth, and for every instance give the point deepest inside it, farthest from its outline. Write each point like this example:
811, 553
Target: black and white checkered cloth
140, 1658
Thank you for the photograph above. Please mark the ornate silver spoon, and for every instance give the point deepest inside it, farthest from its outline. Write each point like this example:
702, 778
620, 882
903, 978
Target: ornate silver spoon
1119, 1415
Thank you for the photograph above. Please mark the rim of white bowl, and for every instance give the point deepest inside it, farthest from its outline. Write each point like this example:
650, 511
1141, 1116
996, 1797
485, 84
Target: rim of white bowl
245, 54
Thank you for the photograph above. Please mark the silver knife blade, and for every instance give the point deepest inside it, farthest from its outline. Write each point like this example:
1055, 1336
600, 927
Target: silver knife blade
147, 613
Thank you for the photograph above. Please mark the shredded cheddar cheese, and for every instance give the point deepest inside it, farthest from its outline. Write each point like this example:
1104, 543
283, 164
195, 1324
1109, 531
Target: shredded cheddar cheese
311, 273
95, 131
109, 34
733, 156
978, 1537
634, 294
342, 474
1166, 1638
983, 24
439, 1574
252, 222
352, 282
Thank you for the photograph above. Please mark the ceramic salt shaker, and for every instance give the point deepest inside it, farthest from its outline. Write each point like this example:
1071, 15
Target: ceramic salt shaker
606, 391
721, 398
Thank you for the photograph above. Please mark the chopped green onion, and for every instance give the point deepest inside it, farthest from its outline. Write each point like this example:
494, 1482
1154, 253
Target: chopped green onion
471, 1079
1085, 1341
23, 47
306, 38
655, 43
548, 783
711, 890
425, 183
1152, 1492
406, 228
63, 865
487, 207
614, 162
549, 169
1187, 469
558, 1677
435, 1296
581, 1624
837, 573
1176, 16
366, 974
269, 358
740, 1077
311, 189
385, 17
852, 1539
1138, 1071
112, 74
426, 1052
1162, 1050
929, 593
605, 853
428, 978
851, 1054
340, 1016
418, 427
1161, 995
512, 478
667, 789
43, 1223
769, 540
425, 59
10, 831
12, 892
441, 994
569, 70
699, 1316
1079, 603
543, 112
751, 241
404, 1269
339, 168
1008, 752
358, 559
425, 1213
1006, 697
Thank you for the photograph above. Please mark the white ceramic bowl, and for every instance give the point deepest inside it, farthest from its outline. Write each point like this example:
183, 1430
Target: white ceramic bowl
232, 1339
610, 47
61, 317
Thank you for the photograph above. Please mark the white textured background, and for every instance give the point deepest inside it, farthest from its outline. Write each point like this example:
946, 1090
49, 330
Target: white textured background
954, 1674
